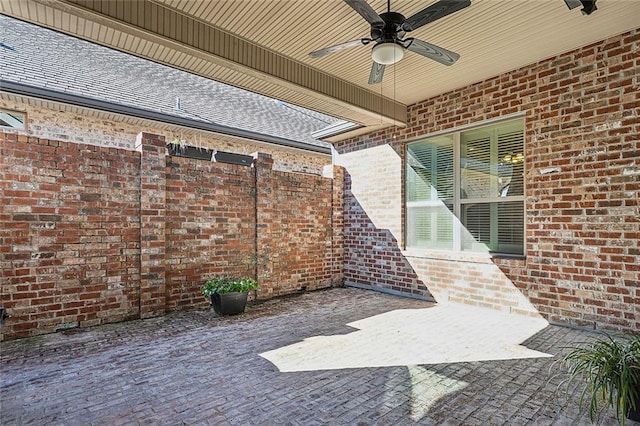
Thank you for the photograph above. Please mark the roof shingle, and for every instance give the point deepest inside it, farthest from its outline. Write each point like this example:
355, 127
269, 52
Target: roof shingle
47, 59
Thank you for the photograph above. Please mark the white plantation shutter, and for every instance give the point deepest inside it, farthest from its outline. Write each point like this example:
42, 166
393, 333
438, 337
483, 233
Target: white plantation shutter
418, 176
510, 227
444, 172
430, 186
511, 162
510, 214
418, 220
445, 223
475, 166
489, 193
477, 221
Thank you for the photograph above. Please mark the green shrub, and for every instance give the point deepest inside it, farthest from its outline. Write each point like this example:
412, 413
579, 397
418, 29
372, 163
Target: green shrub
219, 285
611, 369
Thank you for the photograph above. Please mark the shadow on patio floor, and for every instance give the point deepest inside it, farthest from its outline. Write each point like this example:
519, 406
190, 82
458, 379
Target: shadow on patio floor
196, 368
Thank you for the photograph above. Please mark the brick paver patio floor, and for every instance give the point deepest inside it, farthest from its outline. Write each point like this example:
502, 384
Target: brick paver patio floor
197, 368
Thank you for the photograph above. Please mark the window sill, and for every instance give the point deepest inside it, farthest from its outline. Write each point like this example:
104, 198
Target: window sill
459, 256
507, 256
454, 256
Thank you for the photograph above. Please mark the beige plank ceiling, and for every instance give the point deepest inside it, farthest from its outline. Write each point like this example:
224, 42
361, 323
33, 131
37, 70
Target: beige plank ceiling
263, 45
492, 36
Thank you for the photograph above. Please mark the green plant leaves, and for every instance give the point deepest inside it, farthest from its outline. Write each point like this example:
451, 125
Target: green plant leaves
611, 368
223, 284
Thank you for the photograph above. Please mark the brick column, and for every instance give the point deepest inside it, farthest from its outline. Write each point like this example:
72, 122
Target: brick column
264, 219
152, 224
337, 227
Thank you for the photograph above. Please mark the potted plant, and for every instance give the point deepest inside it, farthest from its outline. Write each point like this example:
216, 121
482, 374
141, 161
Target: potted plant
611, 369
228, 295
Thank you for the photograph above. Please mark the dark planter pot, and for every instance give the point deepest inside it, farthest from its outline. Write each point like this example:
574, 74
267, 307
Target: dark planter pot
229, 303
635, 414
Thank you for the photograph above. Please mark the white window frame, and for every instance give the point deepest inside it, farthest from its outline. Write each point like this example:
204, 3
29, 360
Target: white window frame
7, 114
457, 200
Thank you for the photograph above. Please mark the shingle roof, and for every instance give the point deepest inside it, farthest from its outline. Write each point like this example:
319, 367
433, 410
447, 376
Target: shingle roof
46, 59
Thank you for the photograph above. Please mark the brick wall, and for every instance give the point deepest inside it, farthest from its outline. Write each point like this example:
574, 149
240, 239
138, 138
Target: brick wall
581, 114
372, 254
210, 226
373, 201
69, 234
91, 235
294, 215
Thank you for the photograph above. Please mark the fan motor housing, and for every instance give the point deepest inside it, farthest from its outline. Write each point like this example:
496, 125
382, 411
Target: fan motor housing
392, 26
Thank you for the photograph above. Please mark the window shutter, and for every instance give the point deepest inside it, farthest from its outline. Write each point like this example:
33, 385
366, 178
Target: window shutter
476, 176
418, 177
430, 180
510, 227
445, 225
420, 222
490, 188
511, 163
444, 171
477, 221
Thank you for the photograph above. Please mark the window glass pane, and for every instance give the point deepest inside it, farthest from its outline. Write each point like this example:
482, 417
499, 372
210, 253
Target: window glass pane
510, 162
429, 193
430, 226
445, 224
12, 119
476, 219
511, 227
430, 169
492, 161
498, 227
477, 173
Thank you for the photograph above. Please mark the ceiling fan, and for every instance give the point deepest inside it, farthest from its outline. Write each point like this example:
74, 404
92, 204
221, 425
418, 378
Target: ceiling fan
388, 31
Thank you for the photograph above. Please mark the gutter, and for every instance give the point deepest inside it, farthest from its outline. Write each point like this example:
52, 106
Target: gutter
335, 129
81, 101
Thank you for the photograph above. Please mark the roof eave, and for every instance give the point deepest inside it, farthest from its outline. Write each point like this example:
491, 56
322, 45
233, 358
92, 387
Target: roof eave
81, 101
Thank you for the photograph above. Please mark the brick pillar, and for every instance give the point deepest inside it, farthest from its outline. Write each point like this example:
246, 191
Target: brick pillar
153, 182
264, 219
337, 226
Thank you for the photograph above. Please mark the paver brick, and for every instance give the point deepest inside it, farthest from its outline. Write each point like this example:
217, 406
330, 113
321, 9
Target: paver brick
196, 368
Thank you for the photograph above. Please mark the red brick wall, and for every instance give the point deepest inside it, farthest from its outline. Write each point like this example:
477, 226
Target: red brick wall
210, 226
582, 118
69, 234
295, 231
372, 254
90, 235
153, 183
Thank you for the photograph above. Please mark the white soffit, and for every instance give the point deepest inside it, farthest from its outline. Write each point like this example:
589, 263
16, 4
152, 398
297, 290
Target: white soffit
492, 37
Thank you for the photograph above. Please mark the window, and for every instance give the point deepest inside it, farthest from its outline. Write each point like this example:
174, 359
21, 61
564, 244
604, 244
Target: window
464, 190
13, 119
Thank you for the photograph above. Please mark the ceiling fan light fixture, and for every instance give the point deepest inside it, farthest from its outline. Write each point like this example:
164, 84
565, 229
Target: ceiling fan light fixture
388, 30
387, 53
